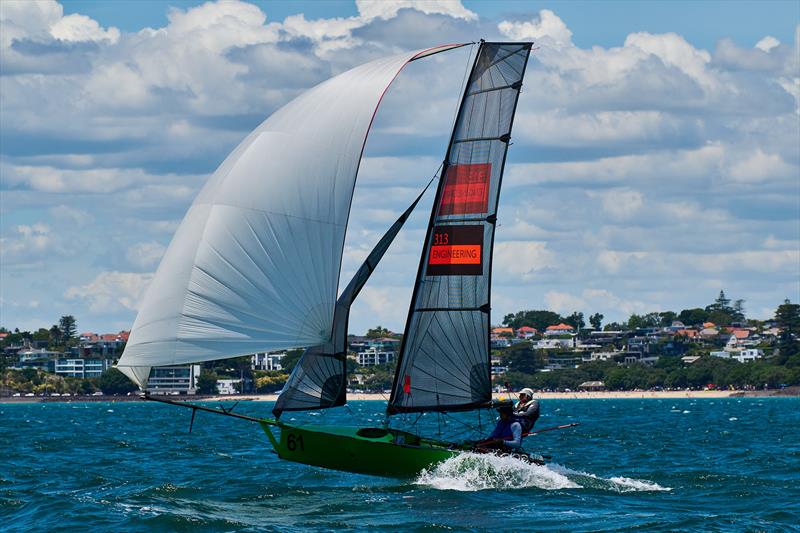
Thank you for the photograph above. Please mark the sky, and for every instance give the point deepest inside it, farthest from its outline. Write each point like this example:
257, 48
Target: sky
655, 157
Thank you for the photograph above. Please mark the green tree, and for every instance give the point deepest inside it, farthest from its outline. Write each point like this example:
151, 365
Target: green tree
596, 320
378, 332
787, 317
694, 316
56, 335
575, 320
112, 381
289, 360
523, 358
533, 319
68, 327
207, 382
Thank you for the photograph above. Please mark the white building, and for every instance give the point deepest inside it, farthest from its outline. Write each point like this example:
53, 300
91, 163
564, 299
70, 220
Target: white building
81, 368
173, 379
745, 356
554, 344
372, 357
267, 361
228, 386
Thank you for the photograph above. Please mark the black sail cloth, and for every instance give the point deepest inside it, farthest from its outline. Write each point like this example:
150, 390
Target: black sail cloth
444, 362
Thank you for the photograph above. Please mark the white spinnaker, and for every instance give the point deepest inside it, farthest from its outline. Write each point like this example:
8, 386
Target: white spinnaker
254, 265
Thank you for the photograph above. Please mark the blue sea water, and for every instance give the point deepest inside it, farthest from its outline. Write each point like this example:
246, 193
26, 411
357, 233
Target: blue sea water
654, 465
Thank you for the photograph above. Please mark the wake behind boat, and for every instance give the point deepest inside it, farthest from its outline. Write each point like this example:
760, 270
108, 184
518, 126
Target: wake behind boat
255, 265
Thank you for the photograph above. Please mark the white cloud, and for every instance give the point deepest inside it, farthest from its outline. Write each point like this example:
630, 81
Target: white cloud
386, 9
145, 255
767, 43
80, 28
620, 203
522, 259
111, 291
547, 25
563, 303
71, 215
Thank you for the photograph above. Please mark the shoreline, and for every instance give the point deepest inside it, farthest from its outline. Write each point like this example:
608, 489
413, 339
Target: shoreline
577, 395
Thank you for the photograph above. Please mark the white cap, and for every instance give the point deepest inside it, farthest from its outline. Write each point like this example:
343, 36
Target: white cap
527, 391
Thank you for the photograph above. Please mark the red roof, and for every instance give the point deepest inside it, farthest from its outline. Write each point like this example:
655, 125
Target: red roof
560, 327
527, 329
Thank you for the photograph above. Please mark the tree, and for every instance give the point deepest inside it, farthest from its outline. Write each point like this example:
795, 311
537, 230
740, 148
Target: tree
68, 327
575, 320
523, 358
56, 335
378, 332
596, 320
693, 317
667, 318
787, 316
207, 382
112, 381
289, 360
533, 319
738, 310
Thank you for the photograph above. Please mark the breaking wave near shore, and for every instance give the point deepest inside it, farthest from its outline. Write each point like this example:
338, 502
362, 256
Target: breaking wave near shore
473, 472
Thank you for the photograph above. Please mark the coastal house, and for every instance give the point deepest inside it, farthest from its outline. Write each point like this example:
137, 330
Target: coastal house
527, 332
81, 367
503, 332
560, 329
496, 341
39, 359
267, 361
228, 386
180, 379
372, 356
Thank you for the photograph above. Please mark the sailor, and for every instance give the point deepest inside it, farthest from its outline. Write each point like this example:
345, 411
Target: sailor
526, 411
507, 434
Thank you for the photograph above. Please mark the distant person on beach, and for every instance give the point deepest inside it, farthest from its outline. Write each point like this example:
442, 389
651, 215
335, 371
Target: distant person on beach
526, 411
507, 434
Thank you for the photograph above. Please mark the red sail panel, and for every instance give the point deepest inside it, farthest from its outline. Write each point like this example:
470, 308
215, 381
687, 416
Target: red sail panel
466, 189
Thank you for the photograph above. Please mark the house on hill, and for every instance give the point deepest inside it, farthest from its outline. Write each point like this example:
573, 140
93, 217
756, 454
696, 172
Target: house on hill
560, 329
527, 332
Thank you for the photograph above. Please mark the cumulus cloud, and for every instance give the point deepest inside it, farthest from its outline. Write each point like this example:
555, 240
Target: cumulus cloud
648, 170
111, 291
547, 25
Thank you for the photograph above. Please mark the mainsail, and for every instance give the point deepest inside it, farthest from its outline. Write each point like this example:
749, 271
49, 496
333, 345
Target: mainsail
254, 266
444, 360
319, 379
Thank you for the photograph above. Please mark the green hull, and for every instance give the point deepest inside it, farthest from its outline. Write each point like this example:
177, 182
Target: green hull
373, 451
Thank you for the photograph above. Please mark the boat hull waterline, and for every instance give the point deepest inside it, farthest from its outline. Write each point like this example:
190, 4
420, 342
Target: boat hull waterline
364, 450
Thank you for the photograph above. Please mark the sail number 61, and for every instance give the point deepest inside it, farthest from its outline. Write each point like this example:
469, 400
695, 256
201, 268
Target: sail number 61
294, 443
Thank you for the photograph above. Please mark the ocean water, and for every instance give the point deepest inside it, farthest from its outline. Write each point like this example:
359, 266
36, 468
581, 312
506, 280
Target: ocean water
654, 465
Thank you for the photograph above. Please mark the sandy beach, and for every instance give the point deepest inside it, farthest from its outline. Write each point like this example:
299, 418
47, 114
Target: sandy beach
577, 395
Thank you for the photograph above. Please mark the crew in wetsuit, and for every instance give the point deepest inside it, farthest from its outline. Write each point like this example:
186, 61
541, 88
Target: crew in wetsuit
507, 434
526, 411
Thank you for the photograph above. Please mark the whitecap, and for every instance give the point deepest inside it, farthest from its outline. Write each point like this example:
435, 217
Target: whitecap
733, 419
473, 471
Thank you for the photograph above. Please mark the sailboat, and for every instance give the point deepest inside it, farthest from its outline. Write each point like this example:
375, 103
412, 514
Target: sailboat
255, 264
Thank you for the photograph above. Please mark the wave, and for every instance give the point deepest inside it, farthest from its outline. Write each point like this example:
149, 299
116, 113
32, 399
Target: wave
474, 472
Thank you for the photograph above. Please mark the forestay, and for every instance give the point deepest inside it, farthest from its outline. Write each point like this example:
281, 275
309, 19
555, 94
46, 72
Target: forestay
444, 360
254, 265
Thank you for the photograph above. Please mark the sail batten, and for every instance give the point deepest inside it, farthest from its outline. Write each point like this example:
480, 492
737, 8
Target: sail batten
444, 360
254, 265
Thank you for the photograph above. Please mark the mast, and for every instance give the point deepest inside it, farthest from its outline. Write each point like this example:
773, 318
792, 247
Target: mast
444, 362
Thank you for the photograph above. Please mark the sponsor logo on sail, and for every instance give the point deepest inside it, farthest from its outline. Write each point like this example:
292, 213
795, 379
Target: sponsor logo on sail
456, 251
466, 189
